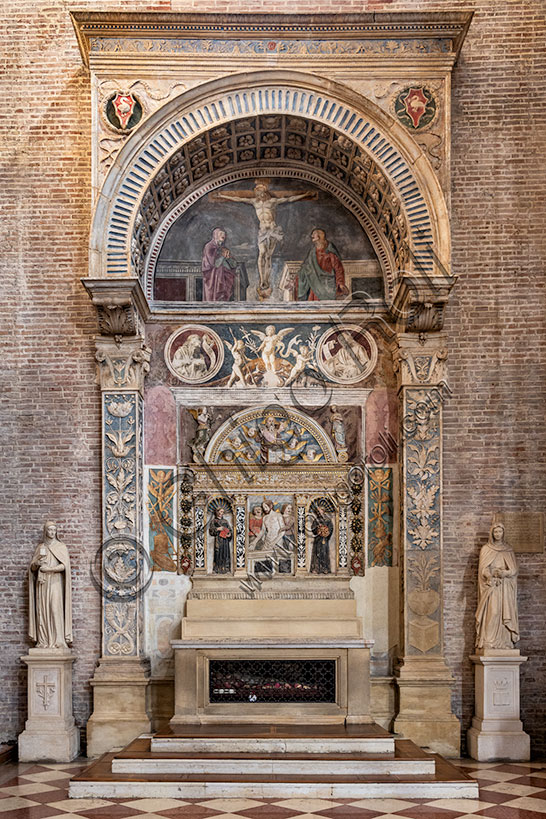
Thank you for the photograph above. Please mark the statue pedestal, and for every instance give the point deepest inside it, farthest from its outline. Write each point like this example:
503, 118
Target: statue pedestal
497, 732
50, 732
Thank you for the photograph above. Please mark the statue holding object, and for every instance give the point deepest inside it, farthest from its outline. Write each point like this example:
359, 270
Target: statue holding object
497, 613
50, 593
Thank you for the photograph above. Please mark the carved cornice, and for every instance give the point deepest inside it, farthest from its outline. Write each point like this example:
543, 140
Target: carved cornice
121, 306
420, 361
122, 364
167, 34
419, 302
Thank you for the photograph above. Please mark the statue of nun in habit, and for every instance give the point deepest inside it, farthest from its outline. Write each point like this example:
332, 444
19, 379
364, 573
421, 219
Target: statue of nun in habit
50, 595
497, 612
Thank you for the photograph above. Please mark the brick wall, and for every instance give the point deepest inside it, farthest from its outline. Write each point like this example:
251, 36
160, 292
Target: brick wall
494, 423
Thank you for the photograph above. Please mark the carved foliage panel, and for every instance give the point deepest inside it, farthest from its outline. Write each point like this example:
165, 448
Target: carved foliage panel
123, 561
422, 524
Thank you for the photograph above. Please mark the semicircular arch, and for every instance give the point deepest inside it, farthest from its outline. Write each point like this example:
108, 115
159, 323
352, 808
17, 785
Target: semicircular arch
277, 92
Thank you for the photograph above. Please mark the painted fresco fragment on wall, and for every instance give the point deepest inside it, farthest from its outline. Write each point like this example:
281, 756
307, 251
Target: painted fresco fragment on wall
161, 538
265, 240
380, 516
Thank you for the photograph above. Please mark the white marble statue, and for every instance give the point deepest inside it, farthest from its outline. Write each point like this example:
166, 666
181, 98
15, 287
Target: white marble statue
497, 612
50, 594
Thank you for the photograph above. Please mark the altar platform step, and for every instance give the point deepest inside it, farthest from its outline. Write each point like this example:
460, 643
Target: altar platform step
350, 776
140, 758
268, 738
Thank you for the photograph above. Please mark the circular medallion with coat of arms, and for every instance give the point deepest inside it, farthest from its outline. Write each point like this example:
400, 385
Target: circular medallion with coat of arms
415, 107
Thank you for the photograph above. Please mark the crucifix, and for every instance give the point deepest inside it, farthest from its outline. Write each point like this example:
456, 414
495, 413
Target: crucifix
265, 204
45, 691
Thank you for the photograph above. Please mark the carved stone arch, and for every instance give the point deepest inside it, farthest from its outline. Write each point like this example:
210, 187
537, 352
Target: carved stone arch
216, 102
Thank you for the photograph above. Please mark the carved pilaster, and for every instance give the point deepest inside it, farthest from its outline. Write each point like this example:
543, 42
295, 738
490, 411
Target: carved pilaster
121, 679
301, 538
424, 679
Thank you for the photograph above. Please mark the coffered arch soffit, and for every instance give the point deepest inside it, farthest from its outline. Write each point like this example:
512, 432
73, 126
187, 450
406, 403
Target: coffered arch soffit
377, 150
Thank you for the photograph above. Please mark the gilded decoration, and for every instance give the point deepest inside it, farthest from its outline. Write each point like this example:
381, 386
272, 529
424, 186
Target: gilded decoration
161, 530
270, 435
380, 516
262, 525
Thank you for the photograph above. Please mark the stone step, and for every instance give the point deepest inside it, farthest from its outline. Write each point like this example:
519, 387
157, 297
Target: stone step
275, 739
99, 781
407, 759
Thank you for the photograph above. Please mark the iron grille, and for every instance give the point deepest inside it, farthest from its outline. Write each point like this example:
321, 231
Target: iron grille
272, 681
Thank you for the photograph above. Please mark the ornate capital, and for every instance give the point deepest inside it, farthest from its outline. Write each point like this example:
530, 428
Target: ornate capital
121, 306
419, 302
420, 361
122, 364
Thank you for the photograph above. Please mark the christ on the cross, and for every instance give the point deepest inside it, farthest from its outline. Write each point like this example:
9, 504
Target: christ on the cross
265, 204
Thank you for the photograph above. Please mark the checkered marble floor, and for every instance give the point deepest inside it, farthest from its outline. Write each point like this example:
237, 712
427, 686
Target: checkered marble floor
507, 791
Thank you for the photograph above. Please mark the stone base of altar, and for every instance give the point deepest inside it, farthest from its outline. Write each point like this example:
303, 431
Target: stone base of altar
291, 651
50, 732
194, 704
425, 715
497, 732
120, 711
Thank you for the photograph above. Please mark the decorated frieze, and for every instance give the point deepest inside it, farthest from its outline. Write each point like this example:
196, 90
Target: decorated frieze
269, 355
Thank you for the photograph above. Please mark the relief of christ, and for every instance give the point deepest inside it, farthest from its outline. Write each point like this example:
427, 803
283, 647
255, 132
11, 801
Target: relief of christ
265, 203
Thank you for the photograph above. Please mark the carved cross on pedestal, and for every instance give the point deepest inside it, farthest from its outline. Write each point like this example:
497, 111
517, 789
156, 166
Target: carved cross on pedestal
45, 691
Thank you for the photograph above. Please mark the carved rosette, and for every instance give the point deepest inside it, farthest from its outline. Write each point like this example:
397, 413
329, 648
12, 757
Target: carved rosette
420, 365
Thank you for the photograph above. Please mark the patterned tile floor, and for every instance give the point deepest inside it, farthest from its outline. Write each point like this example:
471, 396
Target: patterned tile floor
507, 791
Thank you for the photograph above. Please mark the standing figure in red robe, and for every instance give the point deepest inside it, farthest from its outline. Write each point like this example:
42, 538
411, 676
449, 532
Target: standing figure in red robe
218, 269
321, 276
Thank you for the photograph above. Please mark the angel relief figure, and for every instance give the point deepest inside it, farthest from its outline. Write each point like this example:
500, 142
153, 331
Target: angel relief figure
271, 344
